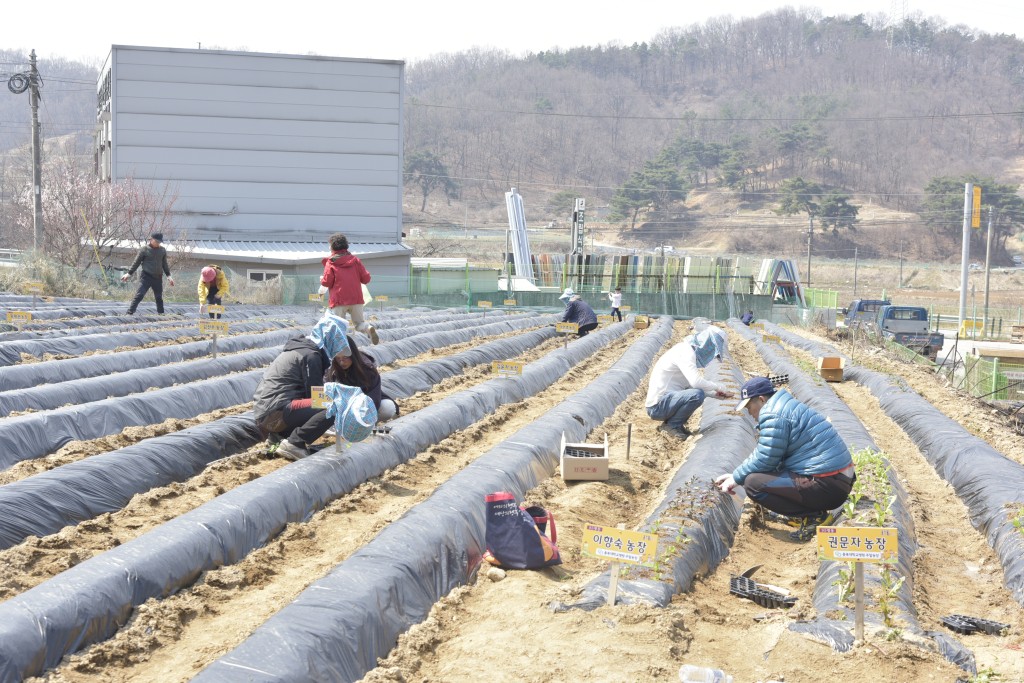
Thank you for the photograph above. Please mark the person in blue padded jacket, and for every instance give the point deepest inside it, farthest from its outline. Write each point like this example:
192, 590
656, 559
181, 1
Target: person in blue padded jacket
801, 469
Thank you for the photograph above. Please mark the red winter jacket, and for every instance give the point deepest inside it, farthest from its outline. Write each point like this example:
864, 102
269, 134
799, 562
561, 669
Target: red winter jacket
344, 275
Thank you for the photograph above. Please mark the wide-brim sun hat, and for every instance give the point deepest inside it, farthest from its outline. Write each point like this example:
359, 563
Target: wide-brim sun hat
568, 293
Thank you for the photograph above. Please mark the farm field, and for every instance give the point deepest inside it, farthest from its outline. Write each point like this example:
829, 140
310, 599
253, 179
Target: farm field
152, 537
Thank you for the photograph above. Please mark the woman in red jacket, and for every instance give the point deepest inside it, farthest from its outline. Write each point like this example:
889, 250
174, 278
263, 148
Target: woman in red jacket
344, 277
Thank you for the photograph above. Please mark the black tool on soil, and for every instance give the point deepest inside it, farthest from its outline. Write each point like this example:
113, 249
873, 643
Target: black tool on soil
964, 624
382, 429
778, 380
746, 587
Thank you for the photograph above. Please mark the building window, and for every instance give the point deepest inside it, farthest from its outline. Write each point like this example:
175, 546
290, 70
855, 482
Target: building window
263, 275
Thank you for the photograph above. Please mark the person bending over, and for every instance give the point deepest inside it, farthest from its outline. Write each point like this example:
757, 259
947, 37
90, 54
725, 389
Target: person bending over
213, 287
578, 311
358, 369
678, 387
801, 469
283, 400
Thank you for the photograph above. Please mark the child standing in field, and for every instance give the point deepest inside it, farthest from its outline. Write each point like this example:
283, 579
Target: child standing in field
616, 299
344, 275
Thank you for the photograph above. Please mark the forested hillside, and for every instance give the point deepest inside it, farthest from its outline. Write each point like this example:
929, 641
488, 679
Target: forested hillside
850, 119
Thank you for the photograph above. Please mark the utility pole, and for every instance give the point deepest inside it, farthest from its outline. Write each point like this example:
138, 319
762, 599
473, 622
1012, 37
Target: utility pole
855, 272
810, 234
37, 164
988, 255
965, 252
899, 285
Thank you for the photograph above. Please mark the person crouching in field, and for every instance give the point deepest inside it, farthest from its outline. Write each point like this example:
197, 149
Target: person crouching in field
801, 470
283, 400
578, 311
344, 275
358, 369
678, 386
213, 287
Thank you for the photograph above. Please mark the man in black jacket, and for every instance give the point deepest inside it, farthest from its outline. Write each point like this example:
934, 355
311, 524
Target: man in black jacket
153, 259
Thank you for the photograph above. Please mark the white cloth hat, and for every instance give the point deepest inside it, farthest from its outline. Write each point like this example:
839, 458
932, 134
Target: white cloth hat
567, 293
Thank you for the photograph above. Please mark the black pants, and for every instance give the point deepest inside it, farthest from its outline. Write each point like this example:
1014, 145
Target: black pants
305, 425
147, 282
213, 299
796, 495
584, 329
615, 311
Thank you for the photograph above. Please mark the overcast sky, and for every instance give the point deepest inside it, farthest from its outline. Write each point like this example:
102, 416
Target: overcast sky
403, 29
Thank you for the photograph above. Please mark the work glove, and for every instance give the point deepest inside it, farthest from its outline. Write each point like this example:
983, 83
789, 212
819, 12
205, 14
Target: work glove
322, 290
202, 309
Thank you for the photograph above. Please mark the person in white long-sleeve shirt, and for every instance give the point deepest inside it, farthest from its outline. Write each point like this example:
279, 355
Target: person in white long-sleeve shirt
616, 299
678, 387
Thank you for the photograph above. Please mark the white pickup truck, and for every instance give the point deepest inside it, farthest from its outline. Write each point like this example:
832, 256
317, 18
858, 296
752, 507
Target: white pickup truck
908, 325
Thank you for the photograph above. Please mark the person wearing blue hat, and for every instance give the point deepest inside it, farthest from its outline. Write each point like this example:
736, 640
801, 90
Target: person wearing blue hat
801, 469
283, 401
678, 386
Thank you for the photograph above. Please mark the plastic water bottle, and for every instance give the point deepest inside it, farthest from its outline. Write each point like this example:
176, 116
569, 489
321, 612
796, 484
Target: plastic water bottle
689, 673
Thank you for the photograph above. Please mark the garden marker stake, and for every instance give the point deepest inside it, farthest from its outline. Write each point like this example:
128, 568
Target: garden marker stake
613, 584
629, 439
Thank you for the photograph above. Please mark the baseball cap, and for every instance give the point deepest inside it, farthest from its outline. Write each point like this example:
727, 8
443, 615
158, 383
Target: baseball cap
755, 386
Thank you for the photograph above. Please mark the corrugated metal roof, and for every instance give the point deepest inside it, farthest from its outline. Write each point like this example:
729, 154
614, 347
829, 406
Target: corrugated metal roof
292, 252
275, 252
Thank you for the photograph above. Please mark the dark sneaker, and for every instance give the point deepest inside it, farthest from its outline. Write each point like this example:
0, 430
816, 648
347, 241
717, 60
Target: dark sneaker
772, 516
809, 525
286, 449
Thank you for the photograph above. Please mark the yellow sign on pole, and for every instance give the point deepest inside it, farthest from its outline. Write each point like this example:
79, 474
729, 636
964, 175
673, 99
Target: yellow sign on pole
34, 287
320, 399
316, 297
213, 327
381, 297
567, 328
625, 308
510, 302
214, 308
619, 545
19, 317
976, 208
602, 319
770, 338
507, 368
858, 543
484, 304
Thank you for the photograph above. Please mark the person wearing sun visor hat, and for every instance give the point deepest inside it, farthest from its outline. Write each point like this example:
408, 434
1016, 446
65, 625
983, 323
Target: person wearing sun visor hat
678, 386
801, 471
213, 288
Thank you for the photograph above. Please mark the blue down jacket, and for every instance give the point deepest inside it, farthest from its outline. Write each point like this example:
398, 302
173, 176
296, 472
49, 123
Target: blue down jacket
794, 438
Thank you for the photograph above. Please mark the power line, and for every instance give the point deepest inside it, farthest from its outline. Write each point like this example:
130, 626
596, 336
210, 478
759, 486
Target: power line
717, 119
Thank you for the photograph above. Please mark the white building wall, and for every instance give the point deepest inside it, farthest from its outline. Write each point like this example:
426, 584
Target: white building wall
261, 146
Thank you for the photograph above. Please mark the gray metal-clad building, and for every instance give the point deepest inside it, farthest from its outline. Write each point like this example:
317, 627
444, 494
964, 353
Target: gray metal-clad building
261, 148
